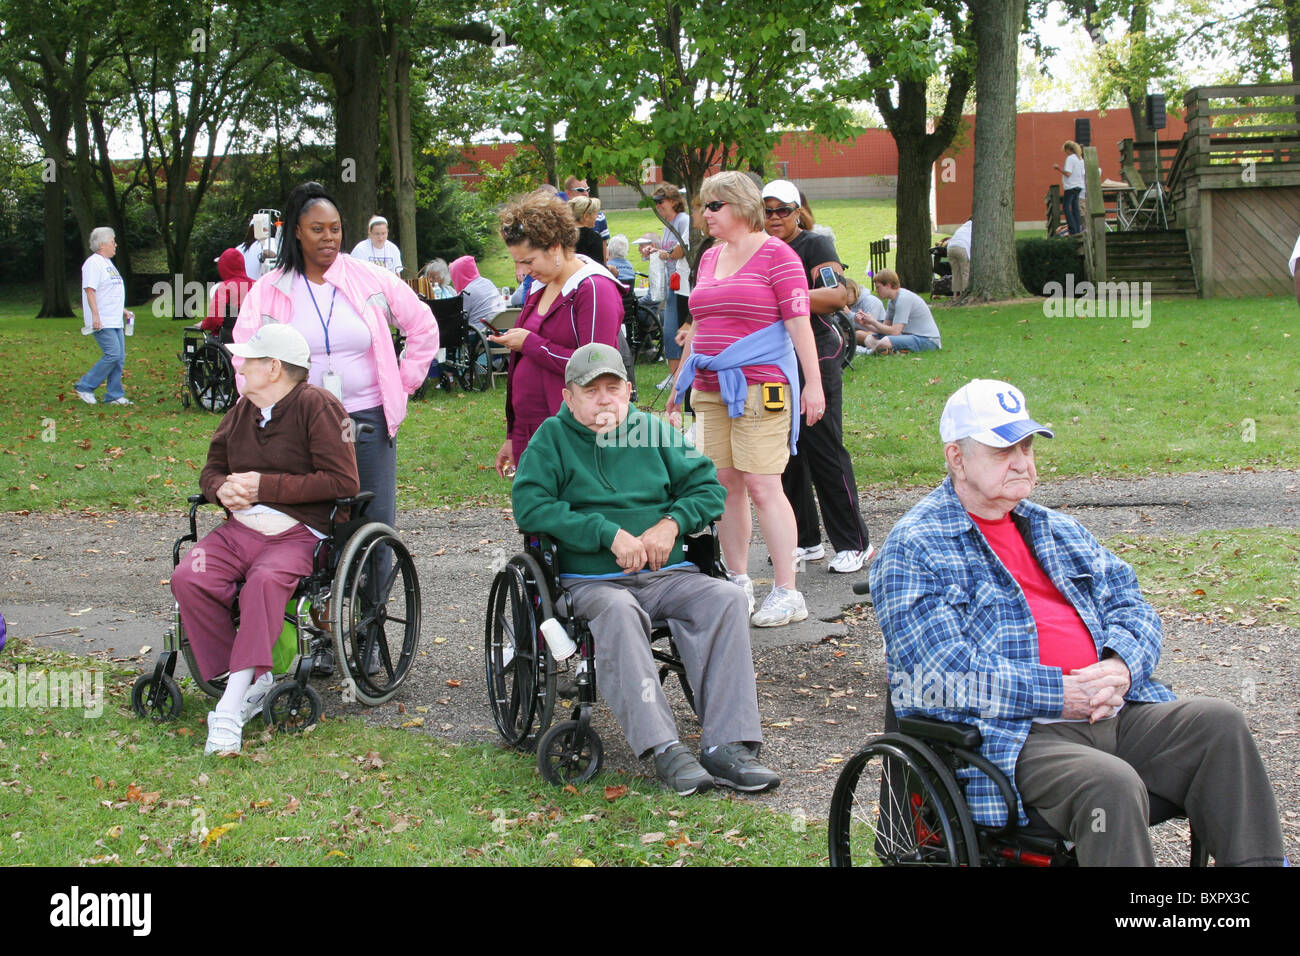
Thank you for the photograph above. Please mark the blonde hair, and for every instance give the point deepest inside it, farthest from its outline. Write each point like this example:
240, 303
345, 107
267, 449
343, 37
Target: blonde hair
583, 206
736, 189
1072, 147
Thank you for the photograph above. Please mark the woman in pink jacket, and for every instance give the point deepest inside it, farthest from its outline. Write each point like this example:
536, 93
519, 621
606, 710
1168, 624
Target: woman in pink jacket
344, 308
573, 301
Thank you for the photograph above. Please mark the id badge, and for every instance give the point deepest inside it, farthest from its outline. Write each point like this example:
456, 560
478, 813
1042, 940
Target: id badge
774, 396
332, 382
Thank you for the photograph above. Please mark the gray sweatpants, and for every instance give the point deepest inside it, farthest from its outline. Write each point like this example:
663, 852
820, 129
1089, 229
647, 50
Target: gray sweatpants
1090, 782
710, 625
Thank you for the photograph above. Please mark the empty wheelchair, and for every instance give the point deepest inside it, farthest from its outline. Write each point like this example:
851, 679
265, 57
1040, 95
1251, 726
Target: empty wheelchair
464, 349
209, 374
523, 678
899, 802
359, 609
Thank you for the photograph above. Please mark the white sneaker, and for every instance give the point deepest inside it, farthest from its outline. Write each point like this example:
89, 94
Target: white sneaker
119, 401
87, 397
815, 553
664, 384
225, 734
781, 606
848, 562
255, 697
744, 583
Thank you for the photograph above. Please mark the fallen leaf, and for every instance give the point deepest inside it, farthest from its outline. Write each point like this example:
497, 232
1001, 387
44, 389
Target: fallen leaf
413, 722
648, 838
453, 682
581, 861
292, 806
114, 832
614, 792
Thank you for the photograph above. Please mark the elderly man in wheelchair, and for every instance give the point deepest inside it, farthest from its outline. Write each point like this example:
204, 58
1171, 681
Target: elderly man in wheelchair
617, 489
277, 463
1011, 619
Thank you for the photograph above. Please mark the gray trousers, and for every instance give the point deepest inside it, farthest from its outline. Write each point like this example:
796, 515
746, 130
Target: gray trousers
710, 626
1090, 782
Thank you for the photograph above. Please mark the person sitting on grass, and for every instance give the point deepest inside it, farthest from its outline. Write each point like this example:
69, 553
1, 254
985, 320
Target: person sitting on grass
276, 463
618, 489
908, 324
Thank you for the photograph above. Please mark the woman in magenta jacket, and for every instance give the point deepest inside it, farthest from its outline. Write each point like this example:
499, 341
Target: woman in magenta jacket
344, 308
573, 301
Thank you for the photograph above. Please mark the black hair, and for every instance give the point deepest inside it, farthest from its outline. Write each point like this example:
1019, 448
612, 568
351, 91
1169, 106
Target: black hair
303, 197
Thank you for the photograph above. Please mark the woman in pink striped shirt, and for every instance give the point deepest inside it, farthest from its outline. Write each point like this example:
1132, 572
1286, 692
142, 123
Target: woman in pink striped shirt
751, 335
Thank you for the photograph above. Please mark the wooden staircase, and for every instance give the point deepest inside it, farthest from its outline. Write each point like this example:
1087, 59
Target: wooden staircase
1161, 258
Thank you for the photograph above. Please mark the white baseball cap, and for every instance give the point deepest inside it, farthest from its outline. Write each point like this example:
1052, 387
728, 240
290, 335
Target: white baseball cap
276, 340
991, 412
782, 189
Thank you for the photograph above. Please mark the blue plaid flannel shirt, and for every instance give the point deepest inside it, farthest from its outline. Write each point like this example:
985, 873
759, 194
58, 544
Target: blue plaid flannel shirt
960, 642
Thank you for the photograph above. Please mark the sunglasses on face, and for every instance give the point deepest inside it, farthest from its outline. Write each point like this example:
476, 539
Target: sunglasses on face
580, 189
781, 212
659, 199
715, 205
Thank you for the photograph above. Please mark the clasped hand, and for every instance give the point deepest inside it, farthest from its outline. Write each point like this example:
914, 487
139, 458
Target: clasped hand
1097, 691
652, 547
239, 490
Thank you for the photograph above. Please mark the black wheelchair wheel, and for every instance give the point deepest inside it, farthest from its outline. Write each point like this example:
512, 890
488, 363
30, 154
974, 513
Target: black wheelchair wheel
211, 378
158, 701
375, 612
893, 807
290, 709
562, 758
519, 668
645, 334
475, 376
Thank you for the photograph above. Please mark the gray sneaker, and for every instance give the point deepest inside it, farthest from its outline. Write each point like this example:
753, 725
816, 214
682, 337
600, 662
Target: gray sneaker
681, 772
735, 766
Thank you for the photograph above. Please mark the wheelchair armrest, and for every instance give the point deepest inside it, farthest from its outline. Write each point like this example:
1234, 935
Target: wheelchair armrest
196, 502
356, 504
703, 550
942, 732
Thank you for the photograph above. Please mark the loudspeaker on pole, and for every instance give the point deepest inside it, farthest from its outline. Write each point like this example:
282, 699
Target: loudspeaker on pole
1155, 111
1083, 131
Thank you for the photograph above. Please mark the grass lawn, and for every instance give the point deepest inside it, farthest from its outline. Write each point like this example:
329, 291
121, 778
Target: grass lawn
1124, 400
115, 789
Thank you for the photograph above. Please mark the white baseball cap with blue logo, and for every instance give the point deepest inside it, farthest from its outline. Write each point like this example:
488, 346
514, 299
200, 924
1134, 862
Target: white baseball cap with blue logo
991, 412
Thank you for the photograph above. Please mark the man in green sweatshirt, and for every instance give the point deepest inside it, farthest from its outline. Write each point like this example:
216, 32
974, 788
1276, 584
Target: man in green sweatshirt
617, 489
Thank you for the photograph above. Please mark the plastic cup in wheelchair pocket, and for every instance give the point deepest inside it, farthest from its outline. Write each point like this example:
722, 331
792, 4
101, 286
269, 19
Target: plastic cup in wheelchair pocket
560, 644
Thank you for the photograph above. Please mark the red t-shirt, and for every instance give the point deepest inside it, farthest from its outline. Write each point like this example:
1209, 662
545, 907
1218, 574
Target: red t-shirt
1063, 639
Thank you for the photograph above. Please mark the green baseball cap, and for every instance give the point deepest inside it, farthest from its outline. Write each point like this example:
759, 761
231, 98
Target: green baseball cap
592, 361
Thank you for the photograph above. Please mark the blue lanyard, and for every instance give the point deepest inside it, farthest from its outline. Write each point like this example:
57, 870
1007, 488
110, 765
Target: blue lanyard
324, 322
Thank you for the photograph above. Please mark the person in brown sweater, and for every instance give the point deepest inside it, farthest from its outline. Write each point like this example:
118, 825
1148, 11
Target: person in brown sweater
278, 460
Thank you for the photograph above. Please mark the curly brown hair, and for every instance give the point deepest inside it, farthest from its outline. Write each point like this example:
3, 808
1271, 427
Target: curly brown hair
541, 221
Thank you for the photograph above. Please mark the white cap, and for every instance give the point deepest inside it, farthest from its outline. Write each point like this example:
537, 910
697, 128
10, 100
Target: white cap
276, 340
991, 412
783, 190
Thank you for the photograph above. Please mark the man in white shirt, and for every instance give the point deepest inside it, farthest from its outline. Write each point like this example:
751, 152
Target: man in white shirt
959, 256
104, 315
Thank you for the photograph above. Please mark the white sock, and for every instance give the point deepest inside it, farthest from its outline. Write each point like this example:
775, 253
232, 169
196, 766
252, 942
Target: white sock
237, 685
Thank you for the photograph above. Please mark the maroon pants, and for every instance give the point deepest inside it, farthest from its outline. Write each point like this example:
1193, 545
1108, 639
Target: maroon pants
204, 584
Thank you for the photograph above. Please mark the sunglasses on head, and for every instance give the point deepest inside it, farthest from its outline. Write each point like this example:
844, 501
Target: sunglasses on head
715, 205
513, 233
781, 212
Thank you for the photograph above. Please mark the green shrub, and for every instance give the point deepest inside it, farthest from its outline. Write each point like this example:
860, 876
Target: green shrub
1047, 260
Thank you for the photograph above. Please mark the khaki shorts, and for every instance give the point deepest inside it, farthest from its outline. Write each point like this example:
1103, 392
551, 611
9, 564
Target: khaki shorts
757, 443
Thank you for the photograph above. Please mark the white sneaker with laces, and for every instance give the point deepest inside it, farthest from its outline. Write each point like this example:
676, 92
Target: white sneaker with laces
744, 583
225, 734
664, 384
781, 606
848, 562
119, 401
87, 397
255, 697
815, 553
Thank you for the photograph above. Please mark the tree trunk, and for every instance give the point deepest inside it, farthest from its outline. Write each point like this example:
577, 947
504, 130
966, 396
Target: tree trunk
356, 123
912, 204
402, 155
994, 273
55, 303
